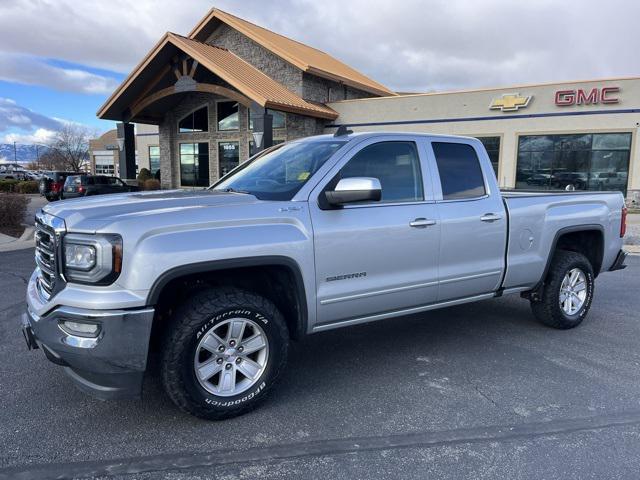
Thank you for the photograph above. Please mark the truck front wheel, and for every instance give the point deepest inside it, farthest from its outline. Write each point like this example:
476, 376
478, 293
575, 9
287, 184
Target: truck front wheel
222, 353
567, 292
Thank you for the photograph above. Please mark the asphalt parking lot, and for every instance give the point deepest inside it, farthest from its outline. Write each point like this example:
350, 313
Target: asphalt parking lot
476, 391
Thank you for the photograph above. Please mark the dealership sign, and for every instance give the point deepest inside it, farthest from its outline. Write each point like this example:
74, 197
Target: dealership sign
510, 102
595, 96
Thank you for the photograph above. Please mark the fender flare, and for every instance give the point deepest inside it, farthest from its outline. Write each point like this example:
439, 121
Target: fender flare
558, 234
227, 264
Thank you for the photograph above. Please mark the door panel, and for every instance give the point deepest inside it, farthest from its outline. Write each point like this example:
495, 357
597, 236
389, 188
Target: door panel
472, 250
370, 260
472, 220
381, 256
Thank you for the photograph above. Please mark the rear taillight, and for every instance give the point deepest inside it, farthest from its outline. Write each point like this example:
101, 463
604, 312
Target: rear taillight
56, 186
623, 222
80, 189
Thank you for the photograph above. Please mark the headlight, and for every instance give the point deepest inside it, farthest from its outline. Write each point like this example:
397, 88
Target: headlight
79, 257
93, 259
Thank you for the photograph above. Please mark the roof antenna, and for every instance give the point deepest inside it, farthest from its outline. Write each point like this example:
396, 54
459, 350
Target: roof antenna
342, 130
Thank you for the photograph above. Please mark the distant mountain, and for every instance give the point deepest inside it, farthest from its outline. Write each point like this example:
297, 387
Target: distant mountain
23, 153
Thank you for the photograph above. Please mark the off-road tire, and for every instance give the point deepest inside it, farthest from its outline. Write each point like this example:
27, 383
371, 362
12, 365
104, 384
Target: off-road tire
195, 317
548, 310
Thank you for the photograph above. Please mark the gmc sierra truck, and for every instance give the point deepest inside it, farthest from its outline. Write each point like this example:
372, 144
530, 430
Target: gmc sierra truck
311, 235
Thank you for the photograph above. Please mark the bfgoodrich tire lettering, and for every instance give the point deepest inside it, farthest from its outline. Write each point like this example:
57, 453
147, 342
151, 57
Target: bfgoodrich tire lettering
205, 315
550, 309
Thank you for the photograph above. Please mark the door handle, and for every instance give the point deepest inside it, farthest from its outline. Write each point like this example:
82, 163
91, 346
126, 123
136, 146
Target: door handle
421, 223
490, 217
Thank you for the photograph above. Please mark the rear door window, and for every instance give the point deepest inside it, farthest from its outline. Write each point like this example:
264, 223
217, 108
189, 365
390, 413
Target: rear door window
459, 168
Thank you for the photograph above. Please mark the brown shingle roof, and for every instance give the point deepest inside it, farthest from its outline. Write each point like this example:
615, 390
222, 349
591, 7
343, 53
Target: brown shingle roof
304, 57
249, 80
244, 77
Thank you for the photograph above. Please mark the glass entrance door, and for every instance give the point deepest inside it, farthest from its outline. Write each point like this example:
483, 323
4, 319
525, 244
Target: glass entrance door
228, 157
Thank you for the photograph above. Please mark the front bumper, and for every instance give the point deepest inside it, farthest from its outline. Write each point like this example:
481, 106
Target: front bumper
108, 366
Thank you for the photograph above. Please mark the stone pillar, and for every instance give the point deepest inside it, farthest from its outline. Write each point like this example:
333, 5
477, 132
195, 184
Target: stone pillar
127, 151
262, 128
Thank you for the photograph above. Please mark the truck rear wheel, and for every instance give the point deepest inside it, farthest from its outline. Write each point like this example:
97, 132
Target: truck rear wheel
567, 292
224, 350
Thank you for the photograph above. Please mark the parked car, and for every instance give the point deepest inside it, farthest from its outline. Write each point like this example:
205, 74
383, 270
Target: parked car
86, 185
51, 184
539, 179
316, 234
607, 181
570, 180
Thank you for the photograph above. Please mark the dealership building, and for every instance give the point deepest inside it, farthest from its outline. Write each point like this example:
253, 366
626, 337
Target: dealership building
230, 88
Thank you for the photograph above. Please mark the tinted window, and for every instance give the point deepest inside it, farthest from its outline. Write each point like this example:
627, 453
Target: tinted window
195, 122
228, 157
154, 159
279, 119
492, 146
228, 116
395, 164
194, 164
460, 172
598, 161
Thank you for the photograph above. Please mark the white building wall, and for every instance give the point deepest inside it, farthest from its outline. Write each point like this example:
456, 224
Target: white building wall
146, 136
469, 113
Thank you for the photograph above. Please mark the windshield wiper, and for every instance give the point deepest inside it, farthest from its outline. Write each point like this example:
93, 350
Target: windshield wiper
232, 190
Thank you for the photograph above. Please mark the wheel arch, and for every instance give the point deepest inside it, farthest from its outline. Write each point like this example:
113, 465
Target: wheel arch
585, 239
243, 272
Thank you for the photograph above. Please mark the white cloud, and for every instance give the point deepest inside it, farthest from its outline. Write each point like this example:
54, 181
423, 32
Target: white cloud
14, 116
41, 135
408, 45
31, 70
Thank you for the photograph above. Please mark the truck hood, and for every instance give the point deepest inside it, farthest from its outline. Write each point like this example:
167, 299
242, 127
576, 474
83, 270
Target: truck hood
91, 214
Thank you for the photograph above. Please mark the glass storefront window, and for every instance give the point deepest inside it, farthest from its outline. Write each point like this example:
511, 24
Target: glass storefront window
195, 122
252, 145
597, 161
154, 159
194, 164
492, 146
228, 117
228, 157
279, 119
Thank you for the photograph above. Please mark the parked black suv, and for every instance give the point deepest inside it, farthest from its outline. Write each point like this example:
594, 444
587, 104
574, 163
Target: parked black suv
51, 184
84, 185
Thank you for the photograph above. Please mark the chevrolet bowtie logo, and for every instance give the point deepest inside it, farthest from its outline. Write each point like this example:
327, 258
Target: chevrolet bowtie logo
510, 102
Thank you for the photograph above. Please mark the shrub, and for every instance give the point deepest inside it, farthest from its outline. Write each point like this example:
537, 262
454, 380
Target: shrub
151, 184
143, 175
28, 186
8, 185
12, 210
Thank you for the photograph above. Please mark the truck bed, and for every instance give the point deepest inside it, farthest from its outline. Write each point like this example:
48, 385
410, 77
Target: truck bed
537, 219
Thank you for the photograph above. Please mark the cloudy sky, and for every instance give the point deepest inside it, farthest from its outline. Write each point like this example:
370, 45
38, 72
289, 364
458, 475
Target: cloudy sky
59, 59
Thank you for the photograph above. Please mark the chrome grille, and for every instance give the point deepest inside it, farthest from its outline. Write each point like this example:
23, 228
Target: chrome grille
46, 253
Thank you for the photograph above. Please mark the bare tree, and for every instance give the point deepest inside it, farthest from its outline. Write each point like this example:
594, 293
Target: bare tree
51, 160
70, 146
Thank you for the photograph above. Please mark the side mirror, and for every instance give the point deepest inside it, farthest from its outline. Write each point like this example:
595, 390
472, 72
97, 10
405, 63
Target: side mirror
355, 189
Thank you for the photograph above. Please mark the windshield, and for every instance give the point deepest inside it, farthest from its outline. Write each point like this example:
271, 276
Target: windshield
278, 175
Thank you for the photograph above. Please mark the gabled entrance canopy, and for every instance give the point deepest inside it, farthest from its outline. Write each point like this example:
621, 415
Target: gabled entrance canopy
177, 65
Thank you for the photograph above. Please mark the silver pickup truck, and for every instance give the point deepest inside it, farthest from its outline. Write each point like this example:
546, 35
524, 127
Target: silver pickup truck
315, 234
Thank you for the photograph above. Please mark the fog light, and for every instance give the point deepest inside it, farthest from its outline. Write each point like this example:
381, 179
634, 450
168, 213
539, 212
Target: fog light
80, 329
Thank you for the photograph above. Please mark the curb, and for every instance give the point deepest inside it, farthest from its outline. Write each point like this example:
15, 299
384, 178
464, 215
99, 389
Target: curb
27, 234
632, 249
26, 240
